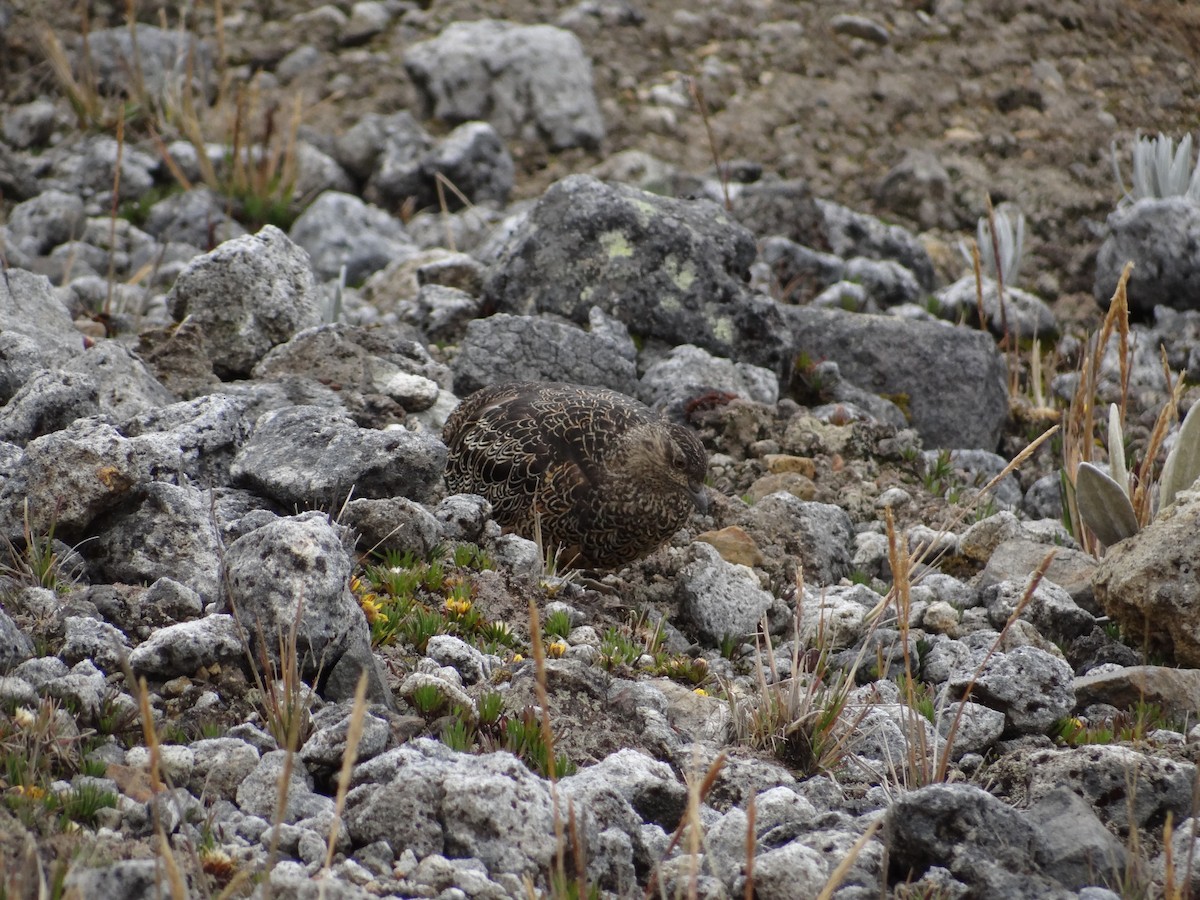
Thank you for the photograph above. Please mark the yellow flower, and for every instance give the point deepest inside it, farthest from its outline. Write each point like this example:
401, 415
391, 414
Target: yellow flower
517, 657
24, 717
555, 649
457, 607
700, 692
371, 607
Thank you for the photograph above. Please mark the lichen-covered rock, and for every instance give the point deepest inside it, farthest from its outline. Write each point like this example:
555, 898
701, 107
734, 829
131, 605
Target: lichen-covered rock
672, 270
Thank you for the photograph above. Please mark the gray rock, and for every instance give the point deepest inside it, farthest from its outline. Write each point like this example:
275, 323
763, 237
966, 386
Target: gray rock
720, 600
1025, 315
1043, 500
472, 158
197, 217
66, 479
20, 360
861, 27
30, 124
49, 401
15, 646
965, 406
248, 295
41, 223
259, 793
125, 386
1031, 687
165, 530
977, 728
688, 371
497, 811
447, 650
87, 166
29, 306
1125, 788
294, 572
671, 270
86, 638
774, 207
391, 144
820, 534
851, 233
1149, 583
167, 602
191, 441
793, 870
1072, 570
404, 812
648, 785
1160, 237
440, 313
1175, 691
1050, 608
799, 273
18, 182
318, 172
952, 825
464, 517
918, 188
182, 649
371, 366
1074, 846
392, 523
507, 348
326, 746
341, 230
885, 281
532, 82
307, 456
83, 688
162, 57
130, 879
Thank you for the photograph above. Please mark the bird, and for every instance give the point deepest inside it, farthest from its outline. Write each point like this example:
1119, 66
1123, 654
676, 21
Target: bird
592, 473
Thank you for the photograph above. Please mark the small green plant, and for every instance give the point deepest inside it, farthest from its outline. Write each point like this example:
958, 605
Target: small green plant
458, 735
939, 475
558, 624
428, 700
617, 649
82, 803
524, 738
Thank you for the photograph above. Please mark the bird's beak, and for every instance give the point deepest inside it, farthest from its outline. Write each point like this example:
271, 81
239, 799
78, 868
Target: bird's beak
699, 496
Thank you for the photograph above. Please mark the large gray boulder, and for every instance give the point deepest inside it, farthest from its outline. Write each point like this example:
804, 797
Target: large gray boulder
532, 82
671, 270
1161, 237
952, 379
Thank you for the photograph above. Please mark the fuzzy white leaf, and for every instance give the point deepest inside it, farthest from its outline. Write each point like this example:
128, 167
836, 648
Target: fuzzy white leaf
1116, 449
1103, 506
1182, 467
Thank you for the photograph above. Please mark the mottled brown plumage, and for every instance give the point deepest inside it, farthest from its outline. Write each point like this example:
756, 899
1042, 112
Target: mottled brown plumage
606, 479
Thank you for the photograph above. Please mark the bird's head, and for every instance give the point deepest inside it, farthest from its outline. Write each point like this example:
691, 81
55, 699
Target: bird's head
669, 455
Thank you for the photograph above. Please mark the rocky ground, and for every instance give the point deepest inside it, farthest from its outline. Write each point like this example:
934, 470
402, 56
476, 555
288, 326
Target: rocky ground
861, 673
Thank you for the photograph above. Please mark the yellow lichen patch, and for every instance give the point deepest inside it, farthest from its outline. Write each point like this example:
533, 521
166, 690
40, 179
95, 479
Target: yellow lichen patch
615, 244
683, 276
723, 330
